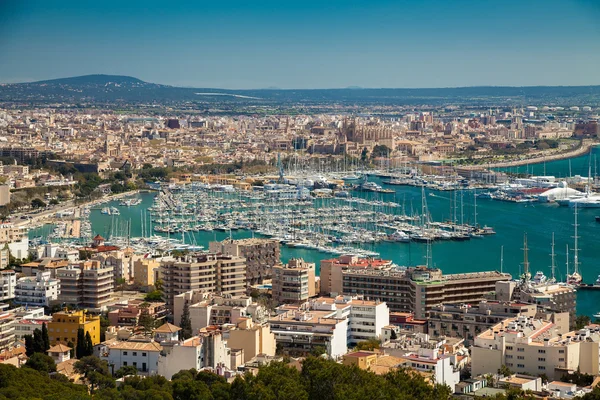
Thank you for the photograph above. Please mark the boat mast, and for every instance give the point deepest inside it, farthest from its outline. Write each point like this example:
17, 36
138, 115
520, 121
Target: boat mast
567, 263
575, 249
526, 274
552, 266
501, 258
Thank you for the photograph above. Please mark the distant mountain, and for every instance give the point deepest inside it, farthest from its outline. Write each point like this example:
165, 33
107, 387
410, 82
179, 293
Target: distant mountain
115, 89
98, 79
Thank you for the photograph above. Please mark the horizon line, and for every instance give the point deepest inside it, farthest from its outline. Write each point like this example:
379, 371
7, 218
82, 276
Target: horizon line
349, 87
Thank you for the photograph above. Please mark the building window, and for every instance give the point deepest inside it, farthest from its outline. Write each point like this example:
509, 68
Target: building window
520, 349
561, 359
143, 354
124, 353
509, 364
135, 353
124, 363
509, 356
542, 351
541, 359
520, 366
520, 357
541, 367
508, 347
561, 352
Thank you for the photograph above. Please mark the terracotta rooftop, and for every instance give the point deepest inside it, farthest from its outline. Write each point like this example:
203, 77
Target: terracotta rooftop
59, 348
167, 328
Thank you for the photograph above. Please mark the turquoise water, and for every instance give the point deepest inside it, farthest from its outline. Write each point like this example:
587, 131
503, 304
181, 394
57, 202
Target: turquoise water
511, 221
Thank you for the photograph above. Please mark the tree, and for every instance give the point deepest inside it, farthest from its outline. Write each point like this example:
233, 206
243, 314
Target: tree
186, 323
80, 348
45, 337
29, 350
125, 371
121, 283
104, 324
368, 345
380, 150
53, 202
147, 322
38, 342
155, 296
42, 363
504, 371
158, 285
72, 351
37, 203
364, 154
581, 321
89, 346
95, 372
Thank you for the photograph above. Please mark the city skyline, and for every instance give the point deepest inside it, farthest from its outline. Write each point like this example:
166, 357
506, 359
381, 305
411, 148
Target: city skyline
306, 45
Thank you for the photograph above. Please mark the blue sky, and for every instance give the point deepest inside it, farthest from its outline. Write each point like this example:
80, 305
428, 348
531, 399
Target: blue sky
305, 44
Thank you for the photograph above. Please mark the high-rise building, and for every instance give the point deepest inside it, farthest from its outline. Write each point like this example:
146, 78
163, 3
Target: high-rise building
210, 273
419, 289
8, 283
37, 291
260, 254
294, 282
87, 284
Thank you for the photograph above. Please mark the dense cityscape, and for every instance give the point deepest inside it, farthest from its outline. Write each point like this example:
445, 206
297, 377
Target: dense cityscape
416, 217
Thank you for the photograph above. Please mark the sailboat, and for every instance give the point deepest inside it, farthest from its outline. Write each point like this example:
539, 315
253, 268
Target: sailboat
575, 278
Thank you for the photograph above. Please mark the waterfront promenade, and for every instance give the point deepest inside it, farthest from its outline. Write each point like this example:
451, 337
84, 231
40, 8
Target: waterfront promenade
580, 150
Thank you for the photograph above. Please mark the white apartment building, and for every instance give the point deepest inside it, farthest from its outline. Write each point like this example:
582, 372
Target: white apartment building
16, 238
431, 360
533, 347
366, 318
37, 291
8, 283
177, 356
143, 354
297, 329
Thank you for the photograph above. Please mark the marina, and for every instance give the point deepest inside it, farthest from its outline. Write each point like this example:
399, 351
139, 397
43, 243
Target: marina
369, 209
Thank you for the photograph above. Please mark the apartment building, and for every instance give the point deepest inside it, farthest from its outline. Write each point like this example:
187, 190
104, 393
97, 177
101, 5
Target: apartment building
366, 319
419, 289
212, 309
87, 284
145, 271
253, 339
64, 325
299, 331
532, 346
555, 297
260, 254
211, 273
331, 271
293, 282
129, 312
8, 283
141, 353
16, 238
7, 329
37, 291
121, 262
467, 321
